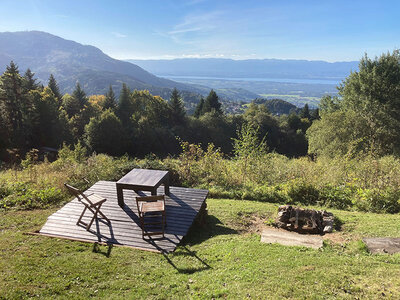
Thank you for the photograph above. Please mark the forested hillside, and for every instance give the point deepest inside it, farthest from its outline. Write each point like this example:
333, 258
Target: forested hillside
137, 122
70, 62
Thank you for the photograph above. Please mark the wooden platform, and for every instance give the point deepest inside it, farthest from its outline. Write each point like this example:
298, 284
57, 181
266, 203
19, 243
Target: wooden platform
182, 206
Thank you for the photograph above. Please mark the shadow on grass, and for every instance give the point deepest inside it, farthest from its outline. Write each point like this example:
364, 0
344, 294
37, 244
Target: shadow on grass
199, 233
187, 253
337, 223
196, 235
96, 249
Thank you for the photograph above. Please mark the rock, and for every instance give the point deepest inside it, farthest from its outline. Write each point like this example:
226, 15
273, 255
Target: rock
287, 238
382, 245
304, 220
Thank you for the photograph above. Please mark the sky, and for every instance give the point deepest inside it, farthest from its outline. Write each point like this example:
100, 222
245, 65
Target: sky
314, 30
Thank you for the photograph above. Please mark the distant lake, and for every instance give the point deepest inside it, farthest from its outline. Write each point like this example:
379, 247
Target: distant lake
284, 80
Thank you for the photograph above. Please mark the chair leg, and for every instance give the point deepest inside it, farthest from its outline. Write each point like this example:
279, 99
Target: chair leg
81, 216
101, 214
97, 208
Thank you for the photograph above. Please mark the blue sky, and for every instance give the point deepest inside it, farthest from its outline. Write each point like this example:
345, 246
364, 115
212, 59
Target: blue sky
314, 30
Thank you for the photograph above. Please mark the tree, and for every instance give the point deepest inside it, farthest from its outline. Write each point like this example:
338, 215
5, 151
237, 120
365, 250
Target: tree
15, 106
199, 108
52, 84
71, 105
30, 81
370, 106
125, 107
110, 101
47, 123
305, 112
177, 109
80, 96
247, 147
105, 134
212, 103
339, 133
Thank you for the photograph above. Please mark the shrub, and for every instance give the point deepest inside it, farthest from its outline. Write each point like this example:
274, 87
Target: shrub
302, 192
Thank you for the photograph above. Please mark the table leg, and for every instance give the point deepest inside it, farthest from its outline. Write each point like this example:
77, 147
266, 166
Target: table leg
166, 185
120, 196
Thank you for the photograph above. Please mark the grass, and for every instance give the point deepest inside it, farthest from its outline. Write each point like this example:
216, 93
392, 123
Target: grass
223, 259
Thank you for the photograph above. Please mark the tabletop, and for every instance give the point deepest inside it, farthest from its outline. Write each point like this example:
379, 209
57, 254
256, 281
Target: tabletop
143, 177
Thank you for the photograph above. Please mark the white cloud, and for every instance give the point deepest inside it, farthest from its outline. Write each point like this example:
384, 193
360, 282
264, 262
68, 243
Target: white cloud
193, 27
118, 34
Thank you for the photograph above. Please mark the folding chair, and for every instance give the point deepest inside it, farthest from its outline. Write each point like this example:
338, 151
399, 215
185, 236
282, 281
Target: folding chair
152, 215
91, 202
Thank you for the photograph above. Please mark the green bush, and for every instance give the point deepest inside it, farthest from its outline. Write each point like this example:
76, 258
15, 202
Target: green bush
336, 197
301, 192
374, 200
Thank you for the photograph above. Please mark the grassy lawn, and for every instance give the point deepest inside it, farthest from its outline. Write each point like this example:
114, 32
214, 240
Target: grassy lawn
223, 259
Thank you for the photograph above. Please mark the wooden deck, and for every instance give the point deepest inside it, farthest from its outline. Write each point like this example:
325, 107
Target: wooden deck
182, 206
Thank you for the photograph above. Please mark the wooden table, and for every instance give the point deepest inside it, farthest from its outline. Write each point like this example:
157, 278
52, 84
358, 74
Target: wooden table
142, 180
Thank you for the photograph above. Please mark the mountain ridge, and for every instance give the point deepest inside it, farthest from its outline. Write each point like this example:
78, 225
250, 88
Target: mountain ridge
257, 68
67, 60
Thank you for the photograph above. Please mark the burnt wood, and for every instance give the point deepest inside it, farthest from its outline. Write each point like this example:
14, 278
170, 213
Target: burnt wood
182, 206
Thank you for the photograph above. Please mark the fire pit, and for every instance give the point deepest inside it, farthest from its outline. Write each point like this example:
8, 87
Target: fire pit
304, 220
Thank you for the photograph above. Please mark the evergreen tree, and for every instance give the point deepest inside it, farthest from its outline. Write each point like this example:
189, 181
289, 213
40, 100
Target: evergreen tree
54, 87
177, 108
71, 105
46, 123
15, 105
315, 114
305, 112
199, 108
212, 103
125, 107
80, 95
30, 81
110, 101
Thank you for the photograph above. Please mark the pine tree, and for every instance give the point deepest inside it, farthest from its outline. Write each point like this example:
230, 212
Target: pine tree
110, 101
177, 108
125, 107
15, 105
29, 80
80, 96
199, 108
315, 114
54, 87
212, 103
305, 112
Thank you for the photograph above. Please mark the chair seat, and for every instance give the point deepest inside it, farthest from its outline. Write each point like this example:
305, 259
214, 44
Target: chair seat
156, 206
94, 198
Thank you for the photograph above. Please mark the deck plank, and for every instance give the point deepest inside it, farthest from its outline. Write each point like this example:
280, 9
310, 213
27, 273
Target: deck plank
182, 206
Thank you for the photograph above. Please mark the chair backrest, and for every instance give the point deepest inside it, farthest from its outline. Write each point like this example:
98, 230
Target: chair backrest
150, 199
78, 194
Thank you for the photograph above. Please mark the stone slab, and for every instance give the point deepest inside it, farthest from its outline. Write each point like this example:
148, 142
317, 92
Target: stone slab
382, 245
289, 238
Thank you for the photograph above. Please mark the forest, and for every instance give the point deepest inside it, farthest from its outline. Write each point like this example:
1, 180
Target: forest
343, 155
137, 123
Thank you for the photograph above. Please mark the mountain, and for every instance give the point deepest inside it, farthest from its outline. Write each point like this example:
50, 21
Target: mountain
250, 68
70, 62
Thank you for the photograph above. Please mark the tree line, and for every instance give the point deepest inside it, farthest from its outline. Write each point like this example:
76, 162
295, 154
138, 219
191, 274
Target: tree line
136, 122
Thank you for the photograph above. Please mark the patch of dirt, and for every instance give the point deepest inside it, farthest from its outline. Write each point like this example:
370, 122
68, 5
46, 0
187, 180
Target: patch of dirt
253, 223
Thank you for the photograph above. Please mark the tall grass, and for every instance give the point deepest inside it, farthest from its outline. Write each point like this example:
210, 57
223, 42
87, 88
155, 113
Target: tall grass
365, 183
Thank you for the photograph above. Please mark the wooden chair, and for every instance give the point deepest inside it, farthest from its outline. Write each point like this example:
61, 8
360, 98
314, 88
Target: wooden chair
151, 211
91, 202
